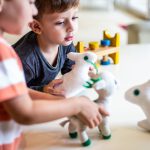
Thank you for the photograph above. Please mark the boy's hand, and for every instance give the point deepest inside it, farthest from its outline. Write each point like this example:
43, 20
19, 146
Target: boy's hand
51, 88
91, 113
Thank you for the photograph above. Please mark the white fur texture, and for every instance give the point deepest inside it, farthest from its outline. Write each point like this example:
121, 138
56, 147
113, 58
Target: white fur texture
105, 89
74, 80
140, 95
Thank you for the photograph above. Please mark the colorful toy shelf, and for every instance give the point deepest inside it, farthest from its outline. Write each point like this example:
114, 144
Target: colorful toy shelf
109, 47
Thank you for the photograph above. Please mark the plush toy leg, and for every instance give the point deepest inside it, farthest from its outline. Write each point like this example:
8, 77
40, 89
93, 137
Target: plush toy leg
75, 123
84, 138
85, 141
72, 130
105, 129
144, 124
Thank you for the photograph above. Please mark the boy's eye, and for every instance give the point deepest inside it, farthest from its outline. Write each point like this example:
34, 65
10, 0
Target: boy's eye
59, 23
74, 18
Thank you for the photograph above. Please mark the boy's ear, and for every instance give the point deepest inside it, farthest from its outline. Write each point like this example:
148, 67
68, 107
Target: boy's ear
35, 26
1, 4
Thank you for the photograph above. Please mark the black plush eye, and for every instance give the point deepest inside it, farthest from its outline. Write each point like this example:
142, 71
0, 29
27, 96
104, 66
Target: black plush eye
86, 58
136, 92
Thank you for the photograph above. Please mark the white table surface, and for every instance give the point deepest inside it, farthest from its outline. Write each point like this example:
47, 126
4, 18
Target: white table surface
133, 68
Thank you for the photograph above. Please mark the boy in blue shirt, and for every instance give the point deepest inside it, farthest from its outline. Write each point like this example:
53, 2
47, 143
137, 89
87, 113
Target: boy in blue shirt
43, 51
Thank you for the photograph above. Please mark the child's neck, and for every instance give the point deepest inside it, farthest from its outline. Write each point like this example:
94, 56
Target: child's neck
47, 47
49, 51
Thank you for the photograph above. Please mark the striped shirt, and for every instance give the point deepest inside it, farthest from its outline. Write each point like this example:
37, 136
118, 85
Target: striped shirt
12, 84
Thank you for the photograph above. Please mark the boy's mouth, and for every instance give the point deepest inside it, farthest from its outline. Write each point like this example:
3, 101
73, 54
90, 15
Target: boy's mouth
69, 38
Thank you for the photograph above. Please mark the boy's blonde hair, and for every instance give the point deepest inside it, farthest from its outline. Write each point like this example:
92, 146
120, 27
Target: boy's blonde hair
52, 6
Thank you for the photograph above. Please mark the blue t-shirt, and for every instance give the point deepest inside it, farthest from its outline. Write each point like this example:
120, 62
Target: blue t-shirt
38, 72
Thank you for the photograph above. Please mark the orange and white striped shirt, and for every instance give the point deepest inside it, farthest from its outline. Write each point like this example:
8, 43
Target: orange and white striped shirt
12, 84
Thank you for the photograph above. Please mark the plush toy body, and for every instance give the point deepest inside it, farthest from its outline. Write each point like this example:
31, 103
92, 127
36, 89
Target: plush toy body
76, 81
105, 88
140, 95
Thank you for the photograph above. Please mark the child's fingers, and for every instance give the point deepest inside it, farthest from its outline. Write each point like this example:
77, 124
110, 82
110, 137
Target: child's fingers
85, 121
90, 123
57, 82
56, 92
60, 93
102, 111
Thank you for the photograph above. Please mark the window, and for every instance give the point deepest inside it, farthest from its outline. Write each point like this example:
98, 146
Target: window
138, 7
101, 4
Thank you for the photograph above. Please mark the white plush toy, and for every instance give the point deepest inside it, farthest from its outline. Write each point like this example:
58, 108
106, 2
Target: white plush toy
74, 82
78, 80
105, 88
140, 95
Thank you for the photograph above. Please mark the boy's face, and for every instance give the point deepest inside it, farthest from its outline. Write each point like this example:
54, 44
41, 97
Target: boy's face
59, 28
17, 14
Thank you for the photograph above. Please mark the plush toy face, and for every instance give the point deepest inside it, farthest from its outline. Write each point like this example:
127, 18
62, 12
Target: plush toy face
82, 58
73, 81
139, 94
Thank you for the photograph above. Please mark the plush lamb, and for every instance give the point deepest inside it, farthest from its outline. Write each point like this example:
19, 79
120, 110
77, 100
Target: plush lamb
105, 88
104, 83
140, 95
75, 82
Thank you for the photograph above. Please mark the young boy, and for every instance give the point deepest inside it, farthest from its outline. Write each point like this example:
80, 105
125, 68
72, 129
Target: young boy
16, 106
43, 51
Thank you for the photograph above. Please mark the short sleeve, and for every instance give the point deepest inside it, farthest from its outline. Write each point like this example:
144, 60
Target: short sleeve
12, 81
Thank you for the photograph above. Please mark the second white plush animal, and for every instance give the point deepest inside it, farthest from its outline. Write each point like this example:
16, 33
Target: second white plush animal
140, 95
105, 88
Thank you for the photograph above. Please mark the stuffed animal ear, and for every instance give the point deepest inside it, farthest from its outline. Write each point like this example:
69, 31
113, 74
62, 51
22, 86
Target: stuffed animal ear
72, 55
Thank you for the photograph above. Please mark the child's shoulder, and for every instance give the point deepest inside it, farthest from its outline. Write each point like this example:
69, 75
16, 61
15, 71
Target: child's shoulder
28, 39
6, 51
3, 42
25, 46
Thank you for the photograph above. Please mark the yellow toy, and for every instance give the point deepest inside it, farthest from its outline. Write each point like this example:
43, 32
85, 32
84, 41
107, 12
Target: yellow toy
109, 47
93, 45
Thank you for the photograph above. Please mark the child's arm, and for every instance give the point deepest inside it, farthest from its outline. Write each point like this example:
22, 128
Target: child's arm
25, 111
41, 95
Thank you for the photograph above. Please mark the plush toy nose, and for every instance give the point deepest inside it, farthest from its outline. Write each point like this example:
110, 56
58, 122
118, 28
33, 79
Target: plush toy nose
91, 68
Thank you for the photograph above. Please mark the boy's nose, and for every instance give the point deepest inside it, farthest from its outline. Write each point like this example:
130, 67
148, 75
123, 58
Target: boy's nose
70, 27
34, 10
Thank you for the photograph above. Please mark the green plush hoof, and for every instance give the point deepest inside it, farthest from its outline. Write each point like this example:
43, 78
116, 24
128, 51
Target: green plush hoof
73, 135
106, 137
87, 143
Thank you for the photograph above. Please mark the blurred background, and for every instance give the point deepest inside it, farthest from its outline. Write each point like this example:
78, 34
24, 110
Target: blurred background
130, 18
